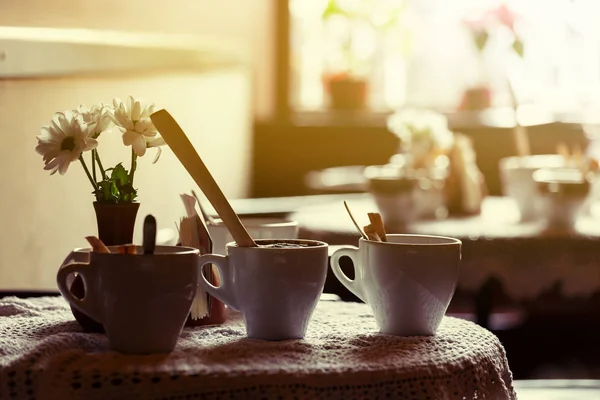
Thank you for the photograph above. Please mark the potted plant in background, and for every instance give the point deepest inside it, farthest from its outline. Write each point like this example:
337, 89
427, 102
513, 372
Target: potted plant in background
478, 95
352, 34
74, 136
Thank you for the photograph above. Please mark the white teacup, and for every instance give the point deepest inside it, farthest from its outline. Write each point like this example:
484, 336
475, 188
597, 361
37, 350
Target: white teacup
258, 228
408, 281
276, 289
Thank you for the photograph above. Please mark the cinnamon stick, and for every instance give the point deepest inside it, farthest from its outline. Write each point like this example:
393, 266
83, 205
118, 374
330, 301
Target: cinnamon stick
371, 233
127, 249
97, 245
377, 224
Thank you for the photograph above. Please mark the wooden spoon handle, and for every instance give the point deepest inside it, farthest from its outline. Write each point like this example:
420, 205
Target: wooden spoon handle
185, 152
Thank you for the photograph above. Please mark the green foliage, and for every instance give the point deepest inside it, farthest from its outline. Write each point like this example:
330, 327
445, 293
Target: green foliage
518, 47
117, 187
481, 38
332, 9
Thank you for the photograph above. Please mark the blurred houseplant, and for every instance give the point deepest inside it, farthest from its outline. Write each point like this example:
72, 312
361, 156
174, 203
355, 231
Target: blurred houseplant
481, 27
433, 174
353, 32
72, 136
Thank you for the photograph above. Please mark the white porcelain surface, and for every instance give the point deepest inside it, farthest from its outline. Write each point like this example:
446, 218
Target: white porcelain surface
258, 228
276, 289
408, 281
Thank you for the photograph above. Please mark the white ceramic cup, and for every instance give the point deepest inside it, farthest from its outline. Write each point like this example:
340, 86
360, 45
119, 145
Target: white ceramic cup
258, 228
276, 289
408, 281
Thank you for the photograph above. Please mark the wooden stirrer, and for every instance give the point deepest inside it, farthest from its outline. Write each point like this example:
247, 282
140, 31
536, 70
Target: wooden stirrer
362, 234
187, 155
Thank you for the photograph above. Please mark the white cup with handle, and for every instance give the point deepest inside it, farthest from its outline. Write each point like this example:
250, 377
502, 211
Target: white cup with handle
407, 281
275, 288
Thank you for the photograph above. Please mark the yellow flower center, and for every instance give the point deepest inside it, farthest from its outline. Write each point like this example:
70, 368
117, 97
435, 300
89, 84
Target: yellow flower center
68, 143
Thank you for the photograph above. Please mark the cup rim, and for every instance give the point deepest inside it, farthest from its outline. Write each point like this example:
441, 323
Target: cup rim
316, 244
445, 240
179, 250
247, 221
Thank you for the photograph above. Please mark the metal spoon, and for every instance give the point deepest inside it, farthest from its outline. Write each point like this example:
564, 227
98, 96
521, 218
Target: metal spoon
149, 242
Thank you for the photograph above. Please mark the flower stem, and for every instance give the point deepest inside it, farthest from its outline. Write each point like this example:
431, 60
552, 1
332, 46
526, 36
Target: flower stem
133, 165
87, 172
94, 165
97, 155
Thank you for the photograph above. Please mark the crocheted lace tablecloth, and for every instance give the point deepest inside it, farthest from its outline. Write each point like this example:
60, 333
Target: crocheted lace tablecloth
45, 355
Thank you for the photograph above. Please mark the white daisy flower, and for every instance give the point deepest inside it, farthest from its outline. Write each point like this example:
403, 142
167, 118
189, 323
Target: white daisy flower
63, 141
98, 114
133, 119
156, 141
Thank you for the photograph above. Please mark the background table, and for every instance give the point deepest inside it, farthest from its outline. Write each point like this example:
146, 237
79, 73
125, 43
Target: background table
525, 260
44, 354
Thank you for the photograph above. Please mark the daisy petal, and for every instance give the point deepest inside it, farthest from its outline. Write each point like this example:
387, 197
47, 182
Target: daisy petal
130, 103
62, 168
129, 137
146, 127
139, 146
156, 142
90, 144
157, 156
136, 111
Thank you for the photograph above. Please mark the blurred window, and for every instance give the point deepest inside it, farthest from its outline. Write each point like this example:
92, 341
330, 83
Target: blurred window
391, 53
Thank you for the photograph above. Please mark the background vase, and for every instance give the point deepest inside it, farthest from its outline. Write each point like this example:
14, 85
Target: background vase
116, 223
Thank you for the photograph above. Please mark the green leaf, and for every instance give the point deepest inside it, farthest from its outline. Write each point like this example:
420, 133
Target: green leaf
116, 188
481, 39
332, 9
518, 47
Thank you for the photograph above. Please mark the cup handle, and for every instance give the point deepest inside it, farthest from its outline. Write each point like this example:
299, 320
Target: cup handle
224, 292
355, 286
86, 305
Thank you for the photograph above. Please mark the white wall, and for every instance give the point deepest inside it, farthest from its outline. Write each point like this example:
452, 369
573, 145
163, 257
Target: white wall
42, 217
251, 22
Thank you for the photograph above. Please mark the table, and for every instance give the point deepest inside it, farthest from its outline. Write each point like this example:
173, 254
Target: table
44, 354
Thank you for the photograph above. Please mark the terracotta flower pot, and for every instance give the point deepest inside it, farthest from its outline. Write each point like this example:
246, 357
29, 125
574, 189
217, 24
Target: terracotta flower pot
115, 226
476, 98
346, 92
